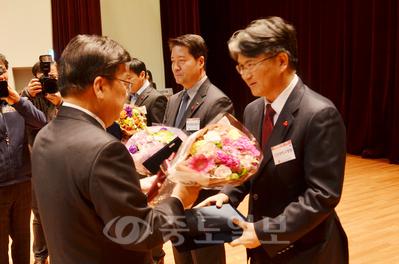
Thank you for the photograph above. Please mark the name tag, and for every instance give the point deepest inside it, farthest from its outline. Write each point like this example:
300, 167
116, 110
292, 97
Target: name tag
283, 152
143, 109
192, 124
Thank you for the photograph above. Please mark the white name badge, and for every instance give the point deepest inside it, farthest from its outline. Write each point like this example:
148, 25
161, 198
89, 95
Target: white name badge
283, 152
143, 109
192, 124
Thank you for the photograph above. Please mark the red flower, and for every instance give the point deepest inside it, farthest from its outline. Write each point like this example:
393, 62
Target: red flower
285, 123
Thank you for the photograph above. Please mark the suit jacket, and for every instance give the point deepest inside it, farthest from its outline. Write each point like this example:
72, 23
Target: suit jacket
84, 179
298, 196
154, 102
207, 103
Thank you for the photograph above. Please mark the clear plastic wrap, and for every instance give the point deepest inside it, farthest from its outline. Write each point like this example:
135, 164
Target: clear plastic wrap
147, 142
224, 153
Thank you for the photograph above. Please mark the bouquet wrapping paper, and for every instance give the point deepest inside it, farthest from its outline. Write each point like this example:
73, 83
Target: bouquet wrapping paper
224, 153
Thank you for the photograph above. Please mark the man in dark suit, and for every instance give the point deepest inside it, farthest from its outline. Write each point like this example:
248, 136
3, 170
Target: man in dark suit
143, 94
299, 182
204, 102
88, 192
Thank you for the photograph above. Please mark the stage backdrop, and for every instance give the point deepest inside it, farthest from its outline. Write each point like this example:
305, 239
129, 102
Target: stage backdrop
347, 52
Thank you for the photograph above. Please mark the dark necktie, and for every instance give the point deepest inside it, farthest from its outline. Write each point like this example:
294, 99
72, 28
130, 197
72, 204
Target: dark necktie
267, 125
182, 109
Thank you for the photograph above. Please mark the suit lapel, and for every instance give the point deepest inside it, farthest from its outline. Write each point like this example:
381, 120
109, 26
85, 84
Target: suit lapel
257, 120
284, 121
143, 96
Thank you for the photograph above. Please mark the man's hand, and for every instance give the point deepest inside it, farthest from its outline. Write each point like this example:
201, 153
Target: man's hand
13, 96
54, 98
248, 239
34, 87
146, 183
187, 194
218, 199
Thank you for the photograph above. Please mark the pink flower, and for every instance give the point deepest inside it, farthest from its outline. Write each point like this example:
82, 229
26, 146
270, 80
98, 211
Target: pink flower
227, 160
227, 141
201, 163
244, 143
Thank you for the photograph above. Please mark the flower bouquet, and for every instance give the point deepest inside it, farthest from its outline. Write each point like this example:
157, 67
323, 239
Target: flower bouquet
131, 120
148, 141
221, 154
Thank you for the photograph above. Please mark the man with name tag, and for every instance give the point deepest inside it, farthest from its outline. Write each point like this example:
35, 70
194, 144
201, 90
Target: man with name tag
192, 109
293, 196
151, 101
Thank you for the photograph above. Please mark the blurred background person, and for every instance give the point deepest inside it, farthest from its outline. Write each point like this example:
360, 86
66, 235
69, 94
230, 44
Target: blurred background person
143, 93
16, 113
149, 78
48, 103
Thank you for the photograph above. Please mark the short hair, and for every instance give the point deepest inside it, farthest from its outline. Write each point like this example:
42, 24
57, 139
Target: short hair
268, 35
137, 66
4, 60
36, 68
86, 57
196, 45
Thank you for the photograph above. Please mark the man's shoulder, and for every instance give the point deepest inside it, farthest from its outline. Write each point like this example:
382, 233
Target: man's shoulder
213, 90
154, 92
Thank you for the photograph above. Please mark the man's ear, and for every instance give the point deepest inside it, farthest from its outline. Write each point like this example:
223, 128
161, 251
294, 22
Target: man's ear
283, 61
201, 61
99, 84
143, 75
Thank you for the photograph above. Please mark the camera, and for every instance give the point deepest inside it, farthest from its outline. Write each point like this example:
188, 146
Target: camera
49, 83
3, 86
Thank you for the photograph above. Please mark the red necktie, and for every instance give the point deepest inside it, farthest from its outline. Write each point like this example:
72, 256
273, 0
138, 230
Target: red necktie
267, 125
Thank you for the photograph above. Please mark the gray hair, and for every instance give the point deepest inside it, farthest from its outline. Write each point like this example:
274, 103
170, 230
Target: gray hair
269, 36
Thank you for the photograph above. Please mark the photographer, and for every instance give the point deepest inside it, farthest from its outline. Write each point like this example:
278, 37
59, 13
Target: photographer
47, 103
15, 170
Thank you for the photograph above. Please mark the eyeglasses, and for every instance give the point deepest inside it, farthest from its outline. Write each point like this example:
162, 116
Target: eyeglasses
127, 84
251, 67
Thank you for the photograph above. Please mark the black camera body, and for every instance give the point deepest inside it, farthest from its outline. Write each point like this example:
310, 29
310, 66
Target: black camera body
49, 83
3, 86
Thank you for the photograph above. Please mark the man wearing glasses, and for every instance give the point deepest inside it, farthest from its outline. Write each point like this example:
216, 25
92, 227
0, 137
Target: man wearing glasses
299, 183
88, 193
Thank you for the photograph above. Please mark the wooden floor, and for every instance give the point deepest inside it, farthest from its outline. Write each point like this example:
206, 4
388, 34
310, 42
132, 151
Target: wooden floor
369, 212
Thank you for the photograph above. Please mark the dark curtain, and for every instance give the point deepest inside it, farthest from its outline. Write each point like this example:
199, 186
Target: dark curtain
178, 17
71, 18
347, 52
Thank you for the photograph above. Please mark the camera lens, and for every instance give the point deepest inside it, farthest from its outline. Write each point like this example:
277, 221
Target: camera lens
50, 85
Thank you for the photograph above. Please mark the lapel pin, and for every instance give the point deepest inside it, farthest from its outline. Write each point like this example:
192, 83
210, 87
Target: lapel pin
142, 97
192, 108
197, 103
285, 123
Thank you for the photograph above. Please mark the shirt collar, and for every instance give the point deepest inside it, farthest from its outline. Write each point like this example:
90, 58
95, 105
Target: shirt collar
279, 103
145, 85
194, 89
86, 111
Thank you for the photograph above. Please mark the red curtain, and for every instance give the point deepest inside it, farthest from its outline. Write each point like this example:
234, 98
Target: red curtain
71, 18
178, 17
347, 52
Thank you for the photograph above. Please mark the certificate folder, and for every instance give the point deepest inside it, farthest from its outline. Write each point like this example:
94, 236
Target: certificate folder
209, 226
